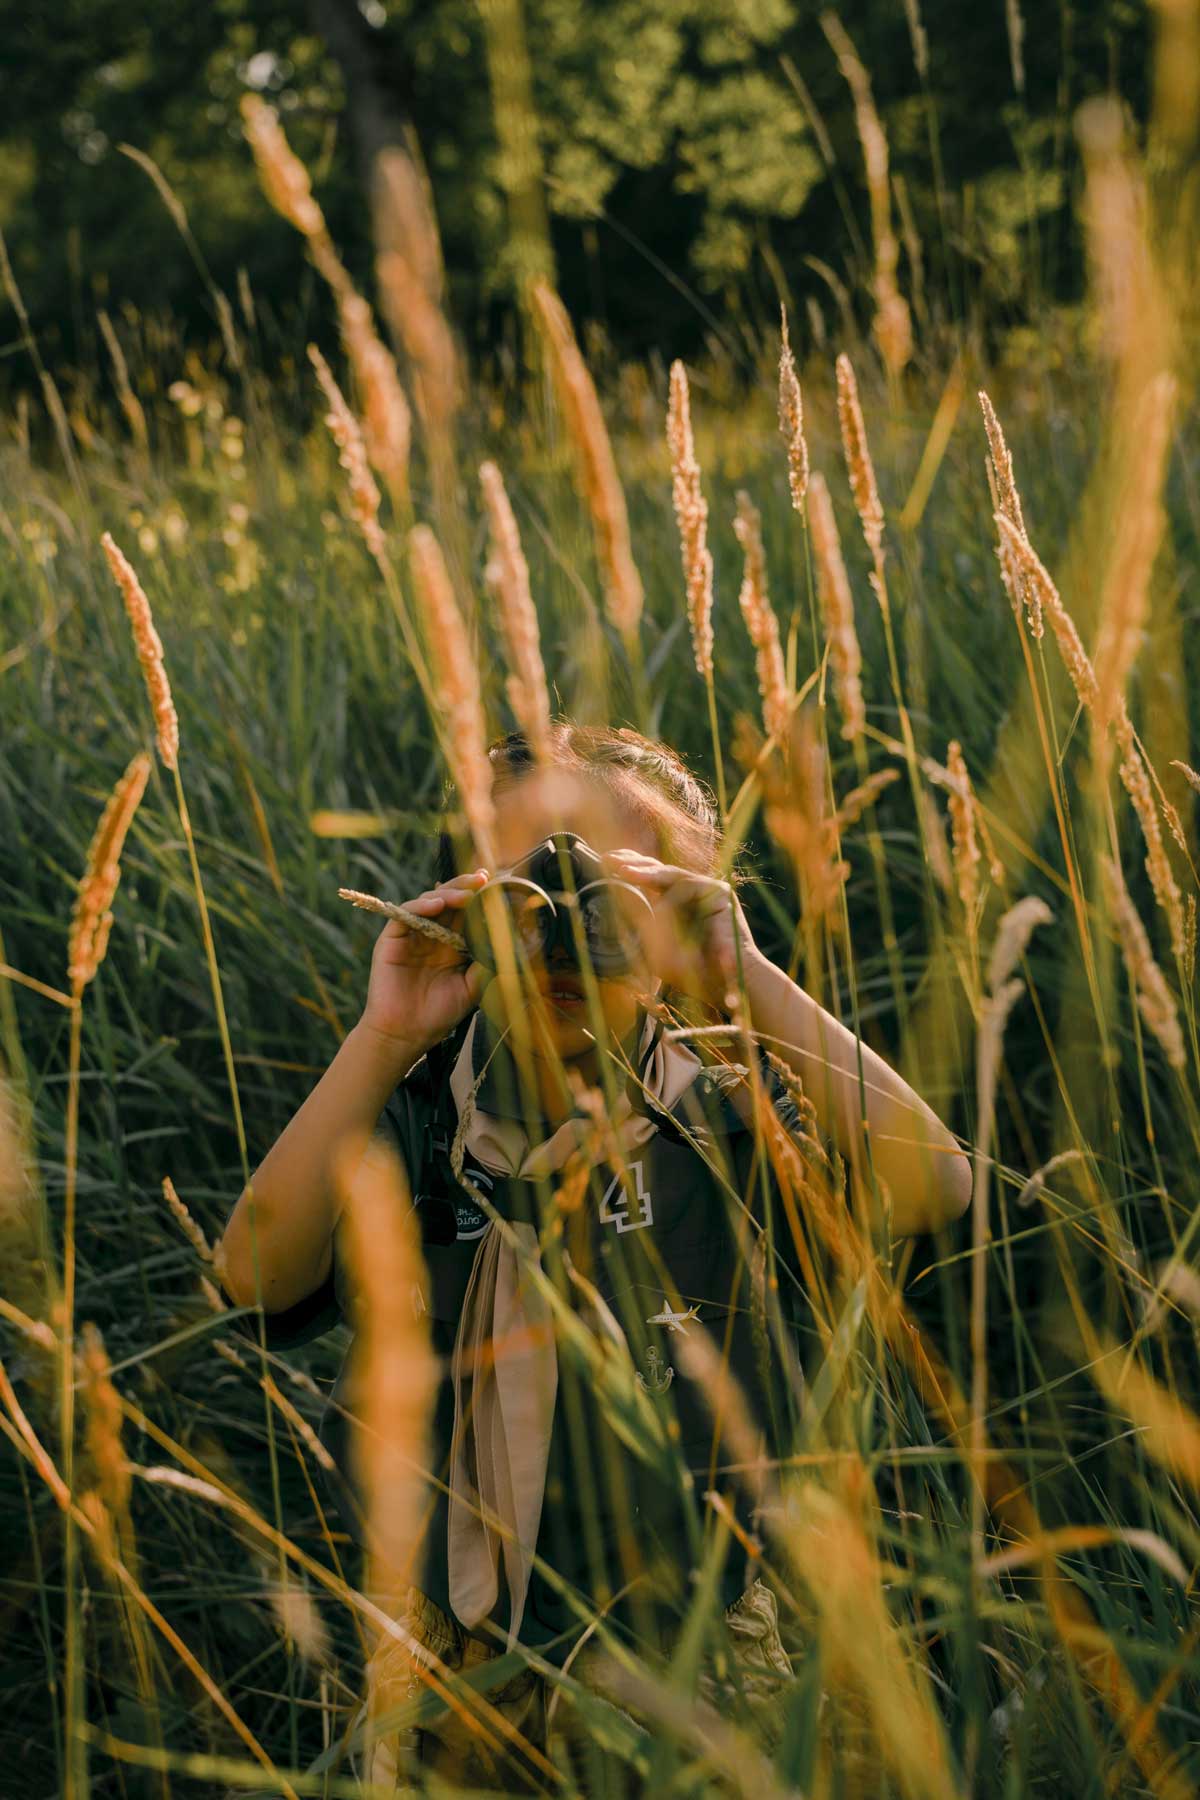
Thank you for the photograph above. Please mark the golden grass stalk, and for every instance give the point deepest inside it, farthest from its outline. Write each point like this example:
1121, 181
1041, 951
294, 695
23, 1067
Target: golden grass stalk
1005, 499
149, 649
964, 845
933, 836
92, 917
791, 417
1019, 562
1139, 530
893, 325
343, 426
1131, 308
761, 622
284, 177
387, 422
1155, 1001
691, 516
394, 1378
858, 460
507, 577
388, 909
186, 1223
598, 481
386, 419
837, 607
417, 321
109, 1499
465, 735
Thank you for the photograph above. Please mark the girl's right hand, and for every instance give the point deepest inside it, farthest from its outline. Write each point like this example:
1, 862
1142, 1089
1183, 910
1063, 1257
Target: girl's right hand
419, 988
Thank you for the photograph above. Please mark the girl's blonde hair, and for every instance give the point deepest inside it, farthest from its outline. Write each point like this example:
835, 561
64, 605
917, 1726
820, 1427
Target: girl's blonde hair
645, 777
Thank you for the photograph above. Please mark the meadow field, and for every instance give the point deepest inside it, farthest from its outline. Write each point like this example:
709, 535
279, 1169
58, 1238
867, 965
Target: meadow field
988, 1537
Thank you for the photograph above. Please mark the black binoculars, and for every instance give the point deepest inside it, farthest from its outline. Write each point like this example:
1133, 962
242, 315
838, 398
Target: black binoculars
558, 900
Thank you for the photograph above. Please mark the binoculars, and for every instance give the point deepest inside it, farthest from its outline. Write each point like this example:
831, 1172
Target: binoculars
558, 901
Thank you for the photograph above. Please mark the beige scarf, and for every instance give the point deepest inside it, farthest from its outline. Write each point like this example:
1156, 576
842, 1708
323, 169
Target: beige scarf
505, 1351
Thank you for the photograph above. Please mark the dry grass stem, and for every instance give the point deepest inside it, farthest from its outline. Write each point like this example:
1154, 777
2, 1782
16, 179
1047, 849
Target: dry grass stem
837, 607
761, 622
1013, 933
933, 836
106, 1455
507, 576
691, 516
131, 406
1132, 770
92, 918
791, 417
186, 1223
344, 429
389, 909
465, 735
893, 324
599, 483
284, 177
858, 459
149, 649
1189, 774
1155, 1001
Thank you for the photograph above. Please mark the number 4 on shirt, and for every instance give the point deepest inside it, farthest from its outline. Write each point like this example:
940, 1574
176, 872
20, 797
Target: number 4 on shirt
629, 1211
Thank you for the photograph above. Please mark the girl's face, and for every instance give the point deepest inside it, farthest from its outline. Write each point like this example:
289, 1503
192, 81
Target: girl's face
528, 810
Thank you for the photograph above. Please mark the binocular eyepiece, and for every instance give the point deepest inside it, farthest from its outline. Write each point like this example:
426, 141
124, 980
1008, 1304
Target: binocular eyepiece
560, 905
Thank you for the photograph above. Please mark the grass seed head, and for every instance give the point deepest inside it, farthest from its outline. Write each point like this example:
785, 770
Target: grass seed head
597, 470
1155, 1001
149, 649
761, 622
837, 607
507, 577
691, 516
791, 418
92, 918
858, 458
344, 429
458, 685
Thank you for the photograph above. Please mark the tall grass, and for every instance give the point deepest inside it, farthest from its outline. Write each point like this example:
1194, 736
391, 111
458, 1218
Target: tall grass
987, 1536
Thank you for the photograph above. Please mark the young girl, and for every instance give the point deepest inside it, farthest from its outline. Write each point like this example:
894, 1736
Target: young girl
548, 1503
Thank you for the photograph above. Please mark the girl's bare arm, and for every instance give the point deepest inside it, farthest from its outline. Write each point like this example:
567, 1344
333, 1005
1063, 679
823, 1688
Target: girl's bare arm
927, 1174
278, 1245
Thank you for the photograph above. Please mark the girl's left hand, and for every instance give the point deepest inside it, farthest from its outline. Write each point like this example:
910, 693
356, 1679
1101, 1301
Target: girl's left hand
691, 941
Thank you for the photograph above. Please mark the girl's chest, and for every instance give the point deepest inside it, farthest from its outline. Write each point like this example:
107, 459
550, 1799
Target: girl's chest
660, 1236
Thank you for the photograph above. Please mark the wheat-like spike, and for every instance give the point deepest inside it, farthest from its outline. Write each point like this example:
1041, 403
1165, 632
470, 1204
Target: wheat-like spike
598, 480
183, 1218
1189, 774
761, 622
964, 844
148, 646
1020, 561
389, 909
791, 417
344, 429
858, 458
416, 320
691, 516
507, 576
1132, 770
109, 1500
837, 607
284, 177
386, 419
91, 919
865, 794
1155, 1000
458, 688
893, 323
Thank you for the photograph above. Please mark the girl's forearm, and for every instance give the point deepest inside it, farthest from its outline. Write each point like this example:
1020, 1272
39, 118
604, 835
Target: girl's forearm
278, 1244
928, 1176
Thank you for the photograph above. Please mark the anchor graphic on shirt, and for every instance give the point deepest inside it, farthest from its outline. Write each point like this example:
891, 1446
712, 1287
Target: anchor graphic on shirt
654, 1381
